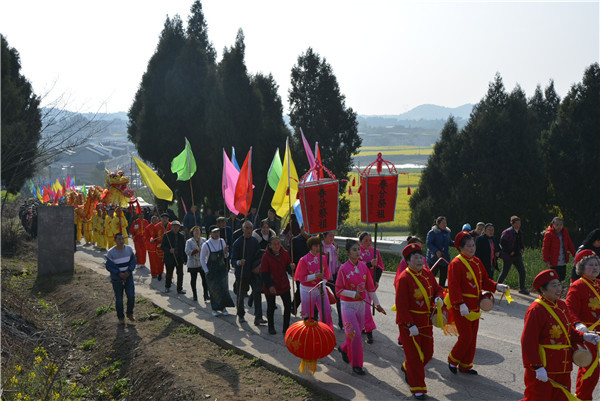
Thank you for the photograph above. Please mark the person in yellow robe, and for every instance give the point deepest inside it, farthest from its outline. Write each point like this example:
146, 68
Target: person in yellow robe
79, 224
98, 223
88, 230
119, 224
108, 231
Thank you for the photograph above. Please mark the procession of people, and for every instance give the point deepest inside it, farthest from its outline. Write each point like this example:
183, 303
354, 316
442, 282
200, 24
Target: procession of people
554, 330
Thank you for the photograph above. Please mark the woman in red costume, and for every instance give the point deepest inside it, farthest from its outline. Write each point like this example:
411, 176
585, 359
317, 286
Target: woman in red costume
583, 305
467, 278
547, 342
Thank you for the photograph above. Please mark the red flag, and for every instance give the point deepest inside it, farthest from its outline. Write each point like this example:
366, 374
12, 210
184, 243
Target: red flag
318, 160
243, 188
408, 190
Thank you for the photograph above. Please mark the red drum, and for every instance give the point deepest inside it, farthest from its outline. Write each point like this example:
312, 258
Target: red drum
486, 301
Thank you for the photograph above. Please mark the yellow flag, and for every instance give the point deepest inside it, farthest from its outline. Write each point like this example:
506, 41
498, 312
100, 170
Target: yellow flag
153, 181
286, 191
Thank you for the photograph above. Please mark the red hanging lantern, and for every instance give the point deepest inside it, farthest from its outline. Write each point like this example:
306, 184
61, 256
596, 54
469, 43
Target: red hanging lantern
309, 340
319, 200
378, 192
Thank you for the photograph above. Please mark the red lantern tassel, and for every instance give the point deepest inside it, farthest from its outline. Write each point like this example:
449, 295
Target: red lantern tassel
408, 190
308, 367
353, 181
350, 191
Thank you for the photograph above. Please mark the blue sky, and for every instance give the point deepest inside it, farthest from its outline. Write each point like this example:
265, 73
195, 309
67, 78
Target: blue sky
388, 56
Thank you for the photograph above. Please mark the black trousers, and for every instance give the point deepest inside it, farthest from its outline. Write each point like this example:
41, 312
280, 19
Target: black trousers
194, 277
562, 272
286, 298
516, 260
246, 283
442, 267
170, 268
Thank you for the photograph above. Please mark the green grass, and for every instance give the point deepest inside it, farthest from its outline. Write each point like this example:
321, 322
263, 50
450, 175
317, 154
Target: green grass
104, 309
88, 345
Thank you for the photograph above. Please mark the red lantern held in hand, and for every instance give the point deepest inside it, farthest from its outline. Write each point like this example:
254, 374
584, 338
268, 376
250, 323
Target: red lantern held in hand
309, 340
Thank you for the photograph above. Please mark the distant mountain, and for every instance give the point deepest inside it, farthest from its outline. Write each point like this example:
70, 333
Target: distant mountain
427, 112
434, 112
121, 115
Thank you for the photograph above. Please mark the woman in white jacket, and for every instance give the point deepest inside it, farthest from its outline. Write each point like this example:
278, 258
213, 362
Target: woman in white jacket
192, 249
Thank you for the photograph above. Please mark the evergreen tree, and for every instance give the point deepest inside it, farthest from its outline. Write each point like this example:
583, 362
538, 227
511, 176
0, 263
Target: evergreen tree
184, 93
571, 154
493, 166
21, 122
433, 196
318, 107
273, 133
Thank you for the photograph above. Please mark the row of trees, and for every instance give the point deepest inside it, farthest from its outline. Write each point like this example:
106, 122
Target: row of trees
517, 156
185, 92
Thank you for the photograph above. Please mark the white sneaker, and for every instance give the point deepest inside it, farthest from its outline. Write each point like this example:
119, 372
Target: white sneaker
224, 312
215, 313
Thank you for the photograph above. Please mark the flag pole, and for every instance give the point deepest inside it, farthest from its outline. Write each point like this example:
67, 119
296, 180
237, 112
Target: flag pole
261, 199
244, 244
187, 150
287, 151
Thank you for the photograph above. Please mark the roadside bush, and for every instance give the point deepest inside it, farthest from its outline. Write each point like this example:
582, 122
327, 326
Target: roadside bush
13, 235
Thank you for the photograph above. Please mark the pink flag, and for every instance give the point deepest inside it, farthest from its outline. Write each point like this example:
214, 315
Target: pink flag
309, 154
68, 183
230, 177
243, 187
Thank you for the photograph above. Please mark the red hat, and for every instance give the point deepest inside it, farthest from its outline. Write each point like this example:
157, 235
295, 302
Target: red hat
544, 277
583, 254
459, 237
410, 248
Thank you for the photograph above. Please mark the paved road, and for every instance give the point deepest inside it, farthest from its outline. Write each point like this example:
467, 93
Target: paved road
498, 357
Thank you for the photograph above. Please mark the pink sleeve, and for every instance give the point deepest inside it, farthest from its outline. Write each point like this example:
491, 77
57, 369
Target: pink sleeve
301, 272
326, 271
380, 261
369, 285
339, 282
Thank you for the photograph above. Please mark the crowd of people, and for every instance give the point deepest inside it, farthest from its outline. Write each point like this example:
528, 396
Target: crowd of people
264, 259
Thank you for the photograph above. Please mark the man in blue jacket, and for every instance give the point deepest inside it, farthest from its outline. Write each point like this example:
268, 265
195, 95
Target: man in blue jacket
120, 262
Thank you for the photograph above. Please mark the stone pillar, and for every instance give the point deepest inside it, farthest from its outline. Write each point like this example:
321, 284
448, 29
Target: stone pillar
56, 240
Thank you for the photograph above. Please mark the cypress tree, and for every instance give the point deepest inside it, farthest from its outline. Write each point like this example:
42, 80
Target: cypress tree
318, 107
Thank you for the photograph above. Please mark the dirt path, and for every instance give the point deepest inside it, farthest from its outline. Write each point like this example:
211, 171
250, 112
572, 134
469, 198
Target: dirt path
156, 358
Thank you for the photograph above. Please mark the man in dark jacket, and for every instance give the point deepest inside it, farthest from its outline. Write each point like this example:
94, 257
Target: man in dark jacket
192, 218
488, 249
173, 245
243, 253
511, 242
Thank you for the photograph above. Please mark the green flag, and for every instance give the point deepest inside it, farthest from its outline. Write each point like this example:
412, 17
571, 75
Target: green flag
274, 171
184, 164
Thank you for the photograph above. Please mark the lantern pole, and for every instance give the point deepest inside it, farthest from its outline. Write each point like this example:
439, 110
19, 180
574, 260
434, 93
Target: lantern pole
321, 283
374, 267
